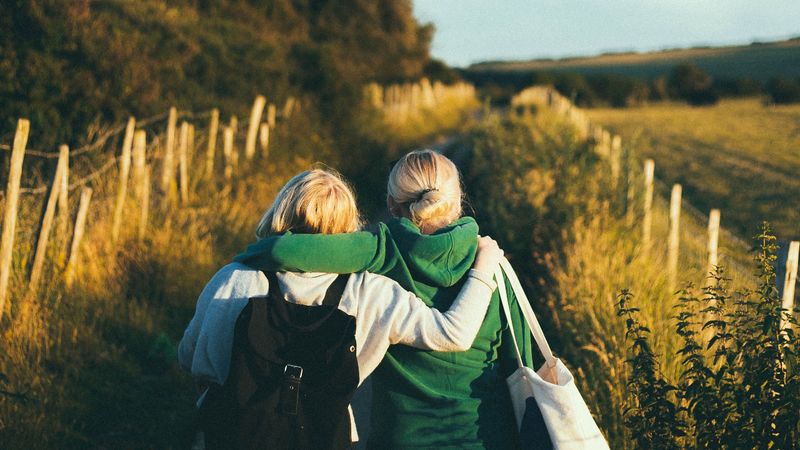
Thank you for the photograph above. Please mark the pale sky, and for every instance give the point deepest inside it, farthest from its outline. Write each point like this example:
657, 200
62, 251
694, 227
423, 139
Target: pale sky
469, 31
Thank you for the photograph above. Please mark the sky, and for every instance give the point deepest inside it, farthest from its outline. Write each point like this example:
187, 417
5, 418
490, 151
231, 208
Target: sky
470, 31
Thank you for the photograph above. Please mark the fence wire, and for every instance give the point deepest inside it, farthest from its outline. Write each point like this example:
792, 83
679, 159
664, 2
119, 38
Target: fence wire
103, 139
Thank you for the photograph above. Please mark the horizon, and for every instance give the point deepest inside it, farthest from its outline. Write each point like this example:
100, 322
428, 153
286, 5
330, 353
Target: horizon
467, 32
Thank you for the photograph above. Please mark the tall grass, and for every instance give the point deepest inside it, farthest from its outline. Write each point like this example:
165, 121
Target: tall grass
739, 156
549, 200
94, 365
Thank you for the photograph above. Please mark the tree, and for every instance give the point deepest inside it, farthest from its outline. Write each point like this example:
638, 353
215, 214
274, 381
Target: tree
688, 82
781, 90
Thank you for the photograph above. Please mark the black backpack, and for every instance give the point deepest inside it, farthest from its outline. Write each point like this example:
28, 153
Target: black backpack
293, 373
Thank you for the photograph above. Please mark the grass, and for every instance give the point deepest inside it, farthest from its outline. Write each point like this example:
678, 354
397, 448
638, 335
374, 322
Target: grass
740, 156
94, 366
547, 198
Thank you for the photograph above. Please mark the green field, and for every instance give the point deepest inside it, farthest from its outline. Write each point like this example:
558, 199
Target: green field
758, 61
739, 156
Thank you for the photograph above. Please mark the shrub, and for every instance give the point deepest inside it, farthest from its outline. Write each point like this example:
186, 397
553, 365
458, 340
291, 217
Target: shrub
618, 90
782, 91
738, 87
690, 83
739, 386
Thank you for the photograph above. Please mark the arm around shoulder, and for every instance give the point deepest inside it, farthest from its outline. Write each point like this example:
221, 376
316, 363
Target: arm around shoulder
410, 321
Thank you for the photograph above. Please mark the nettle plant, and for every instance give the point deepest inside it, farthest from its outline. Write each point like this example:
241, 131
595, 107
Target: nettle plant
739, 387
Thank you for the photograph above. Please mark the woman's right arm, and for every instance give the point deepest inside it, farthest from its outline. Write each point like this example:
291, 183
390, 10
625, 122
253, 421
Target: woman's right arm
388, 314
332, 253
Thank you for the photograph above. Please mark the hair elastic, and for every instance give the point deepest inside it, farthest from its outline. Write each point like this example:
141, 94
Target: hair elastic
425, 191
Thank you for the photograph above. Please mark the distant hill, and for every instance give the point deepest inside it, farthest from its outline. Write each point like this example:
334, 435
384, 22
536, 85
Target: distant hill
759, 61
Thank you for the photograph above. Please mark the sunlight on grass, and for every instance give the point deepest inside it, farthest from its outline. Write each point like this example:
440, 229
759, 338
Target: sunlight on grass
739, 156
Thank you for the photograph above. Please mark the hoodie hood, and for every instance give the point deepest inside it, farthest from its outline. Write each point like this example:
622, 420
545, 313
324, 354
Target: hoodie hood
442, 258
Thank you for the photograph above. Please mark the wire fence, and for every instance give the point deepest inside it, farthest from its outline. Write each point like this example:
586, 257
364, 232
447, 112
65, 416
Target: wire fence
604, 144
168, 143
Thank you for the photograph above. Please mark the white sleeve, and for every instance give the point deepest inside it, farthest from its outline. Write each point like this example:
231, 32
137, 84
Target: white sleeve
418, 325
388, 314
205, 348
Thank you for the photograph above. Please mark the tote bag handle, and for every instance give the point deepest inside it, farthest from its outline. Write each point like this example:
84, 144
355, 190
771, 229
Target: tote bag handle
527, 312
501, 289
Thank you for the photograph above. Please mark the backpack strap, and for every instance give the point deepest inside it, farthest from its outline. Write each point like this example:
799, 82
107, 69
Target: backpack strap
335, 291
332, 296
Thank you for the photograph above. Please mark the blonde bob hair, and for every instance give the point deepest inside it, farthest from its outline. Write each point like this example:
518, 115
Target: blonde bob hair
427, 188
314, 201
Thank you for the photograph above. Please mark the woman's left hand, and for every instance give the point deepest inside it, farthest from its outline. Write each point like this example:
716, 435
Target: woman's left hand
489, 255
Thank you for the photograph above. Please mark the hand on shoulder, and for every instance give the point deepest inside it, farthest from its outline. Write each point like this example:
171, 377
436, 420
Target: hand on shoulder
489, 255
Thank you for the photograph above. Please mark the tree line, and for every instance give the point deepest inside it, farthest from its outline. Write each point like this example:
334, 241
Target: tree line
685, 82
70, 66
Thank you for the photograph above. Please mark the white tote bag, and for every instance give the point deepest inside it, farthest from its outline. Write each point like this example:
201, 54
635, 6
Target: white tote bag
552, 388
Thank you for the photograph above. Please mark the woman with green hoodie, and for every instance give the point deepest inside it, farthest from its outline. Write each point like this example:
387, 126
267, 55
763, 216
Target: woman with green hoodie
422, 399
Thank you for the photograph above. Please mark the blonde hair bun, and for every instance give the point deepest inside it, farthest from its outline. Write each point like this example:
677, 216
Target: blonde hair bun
429, 185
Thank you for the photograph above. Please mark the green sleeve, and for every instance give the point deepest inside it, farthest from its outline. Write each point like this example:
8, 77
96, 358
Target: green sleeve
333, 253
508, 357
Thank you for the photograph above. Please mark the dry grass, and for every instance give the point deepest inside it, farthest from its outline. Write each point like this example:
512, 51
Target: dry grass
556, 190
94, 366
739, 156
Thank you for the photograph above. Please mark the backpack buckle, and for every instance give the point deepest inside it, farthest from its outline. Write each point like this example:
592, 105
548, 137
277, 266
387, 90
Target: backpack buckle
292, 371
289, 401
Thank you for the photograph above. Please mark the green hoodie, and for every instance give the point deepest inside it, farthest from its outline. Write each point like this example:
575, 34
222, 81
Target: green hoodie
421, 399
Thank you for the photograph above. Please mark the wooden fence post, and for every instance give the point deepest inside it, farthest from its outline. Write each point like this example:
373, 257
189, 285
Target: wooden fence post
124, 171
288, 107
713, 242
191, 147
183, 161
790, 280
144, 202
139, 161
271, 113
63, 208
647, 221
12, 199
47, 221
674, 234
615, 157
263, 138
234, 124
213, 129
227, 151
168, 166
80, 224
252, 127
630, 190
605, 143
